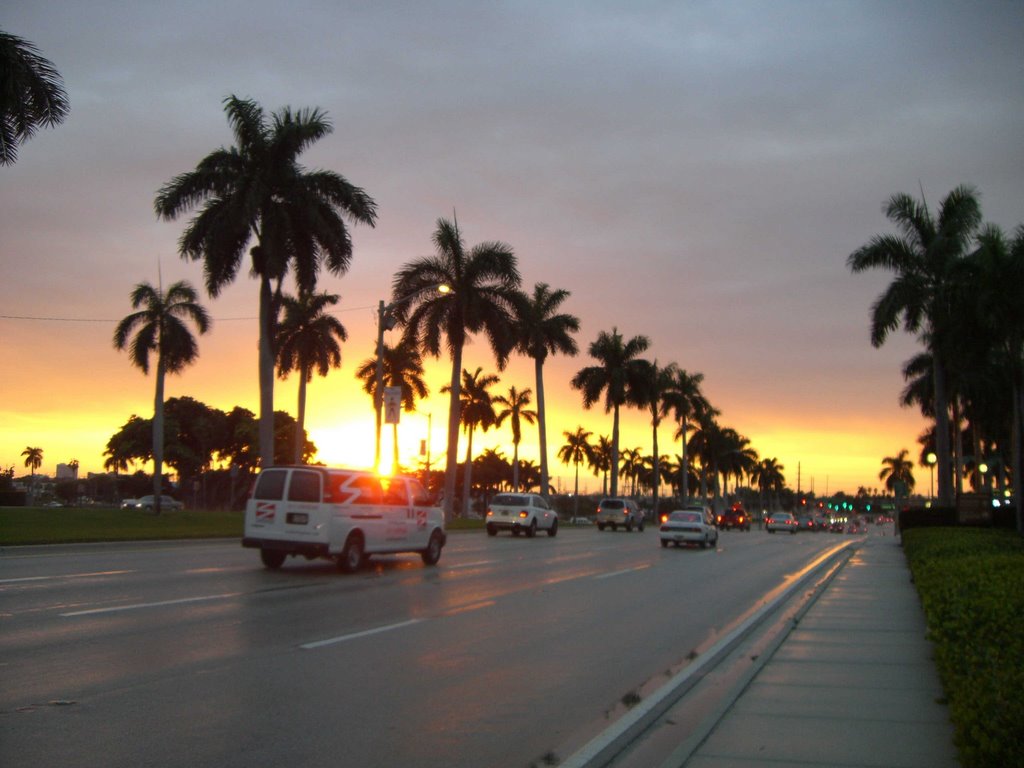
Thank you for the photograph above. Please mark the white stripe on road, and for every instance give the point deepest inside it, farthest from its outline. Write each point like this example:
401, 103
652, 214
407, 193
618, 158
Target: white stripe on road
135, 606
63, 576
471, 565
620, 573
354, 635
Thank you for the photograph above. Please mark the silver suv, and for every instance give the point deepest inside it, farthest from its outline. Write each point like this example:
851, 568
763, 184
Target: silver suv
612, 513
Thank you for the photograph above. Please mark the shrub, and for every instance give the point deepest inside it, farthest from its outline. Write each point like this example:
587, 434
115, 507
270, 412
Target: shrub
971, 583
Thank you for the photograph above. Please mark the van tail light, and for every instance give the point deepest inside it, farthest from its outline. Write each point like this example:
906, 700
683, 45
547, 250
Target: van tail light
524, 514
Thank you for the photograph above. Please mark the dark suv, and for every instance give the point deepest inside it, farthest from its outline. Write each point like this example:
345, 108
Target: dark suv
734, 517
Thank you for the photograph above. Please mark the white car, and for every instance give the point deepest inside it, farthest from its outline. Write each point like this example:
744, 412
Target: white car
693, 525
129, 503
521, 513
781, 521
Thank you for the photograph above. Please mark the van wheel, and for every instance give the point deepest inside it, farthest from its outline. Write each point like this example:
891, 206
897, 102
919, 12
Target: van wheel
664, 543
532, 530
641, 526
492, 531
351, 558
432, 553
553, 530
272, 558
600, 526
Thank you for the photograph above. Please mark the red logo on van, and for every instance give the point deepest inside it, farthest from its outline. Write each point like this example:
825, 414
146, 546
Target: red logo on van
265, 511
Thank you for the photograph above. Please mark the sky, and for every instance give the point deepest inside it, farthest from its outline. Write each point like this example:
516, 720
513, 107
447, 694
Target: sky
694, 172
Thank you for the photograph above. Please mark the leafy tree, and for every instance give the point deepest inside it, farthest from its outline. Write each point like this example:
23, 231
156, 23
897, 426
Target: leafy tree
618, 375
484, 283
576, 450
600, 461
541, 329
33, 460
898, 474
402, 367
514, 409
307, 340
631, 462
768, 477
476, 410
924, 259
31, 94
258, 190
161, 327
654, 388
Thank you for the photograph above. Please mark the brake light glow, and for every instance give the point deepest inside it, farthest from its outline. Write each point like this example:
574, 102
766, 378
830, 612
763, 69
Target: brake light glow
524, 514
664, 518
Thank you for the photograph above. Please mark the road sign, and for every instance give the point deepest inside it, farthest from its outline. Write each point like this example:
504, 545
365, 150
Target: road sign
392, 404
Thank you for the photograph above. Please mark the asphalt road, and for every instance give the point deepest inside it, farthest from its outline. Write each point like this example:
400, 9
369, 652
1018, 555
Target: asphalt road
510, 652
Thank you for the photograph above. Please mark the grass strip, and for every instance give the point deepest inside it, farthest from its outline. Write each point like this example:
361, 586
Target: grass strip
67, 525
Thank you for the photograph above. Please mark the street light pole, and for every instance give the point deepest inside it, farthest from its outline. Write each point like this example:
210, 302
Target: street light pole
931, 458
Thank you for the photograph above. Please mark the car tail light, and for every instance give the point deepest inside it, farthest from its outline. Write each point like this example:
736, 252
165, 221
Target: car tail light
490, 513
524, 514
664, 518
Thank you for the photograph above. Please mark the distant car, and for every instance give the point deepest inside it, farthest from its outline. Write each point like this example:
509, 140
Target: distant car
581, 520
734, 517
613, 513
780, 521
693, 525
805, 523
521, 513
148, 503
129, 503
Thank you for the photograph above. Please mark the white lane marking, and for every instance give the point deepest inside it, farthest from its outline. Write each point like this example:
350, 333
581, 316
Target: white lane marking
63, 576
161, 603
620, 573
471, 565
354, 635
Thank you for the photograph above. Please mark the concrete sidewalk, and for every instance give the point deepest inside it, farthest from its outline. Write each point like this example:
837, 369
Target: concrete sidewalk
854, 684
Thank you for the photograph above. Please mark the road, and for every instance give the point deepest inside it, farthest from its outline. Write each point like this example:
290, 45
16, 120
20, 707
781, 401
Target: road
510, 652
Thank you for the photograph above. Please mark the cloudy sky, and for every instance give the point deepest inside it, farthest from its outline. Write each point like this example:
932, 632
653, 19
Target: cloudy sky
696, 172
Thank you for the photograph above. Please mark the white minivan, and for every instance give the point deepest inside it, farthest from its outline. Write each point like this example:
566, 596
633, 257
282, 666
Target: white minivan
342, 514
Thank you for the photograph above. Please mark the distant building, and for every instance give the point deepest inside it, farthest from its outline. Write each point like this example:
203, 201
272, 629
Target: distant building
67, 472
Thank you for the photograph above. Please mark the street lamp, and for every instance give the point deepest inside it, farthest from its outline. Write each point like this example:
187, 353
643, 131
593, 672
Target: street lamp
931, 458
385, 322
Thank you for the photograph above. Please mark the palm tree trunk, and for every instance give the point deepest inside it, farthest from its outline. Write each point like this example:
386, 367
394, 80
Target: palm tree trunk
266, 374
942, 448
685, 469
158, 436
615, 451
515, 466
467, 475
300, 424
453, 433
656, 480
576, 491
538, 367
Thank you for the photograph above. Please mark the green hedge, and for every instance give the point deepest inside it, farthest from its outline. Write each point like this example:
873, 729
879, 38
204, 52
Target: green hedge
971, 583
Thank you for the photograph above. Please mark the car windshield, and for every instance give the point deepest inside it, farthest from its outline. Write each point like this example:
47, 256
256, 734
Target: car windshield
510, 500
685, 517
611, 504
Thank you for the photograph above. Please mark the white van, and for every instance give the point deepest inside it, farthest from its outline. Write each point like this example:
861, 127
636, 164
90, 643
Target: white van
342, 514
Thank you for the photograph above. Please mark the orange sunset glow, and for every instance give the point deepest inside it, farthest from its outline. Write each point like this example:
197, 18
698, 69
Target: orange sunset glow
698, 177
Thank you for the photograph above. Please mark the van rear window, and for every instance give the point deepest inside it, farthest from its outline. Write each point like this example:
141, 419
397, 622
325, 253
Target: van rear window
612, 504
305, 486
270, 485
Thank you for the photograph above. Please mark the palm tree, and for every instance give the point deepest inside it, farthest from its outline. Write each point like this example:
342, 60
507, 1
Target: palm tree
257, 190
33, 460
688, 403
577, 448
630, 463
483, 283
161, 326
618, 375
31, 94
768, 477
924, 260
402, 367
514, 408
601, 460
476, 410
898, 474
307, 339
655, 386
542, 330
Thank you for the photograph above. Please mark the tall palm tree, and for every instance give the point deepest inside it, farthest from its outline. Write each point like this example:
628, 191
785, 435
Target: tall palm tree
258, 191
514, 408
924, 259
655, 386
33, 460
484, 283
898, 473
688, 403
161, 327
768, 477
402, 367
541, 329
307, 340
31, 94
618, 375
476, 410
577, 449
